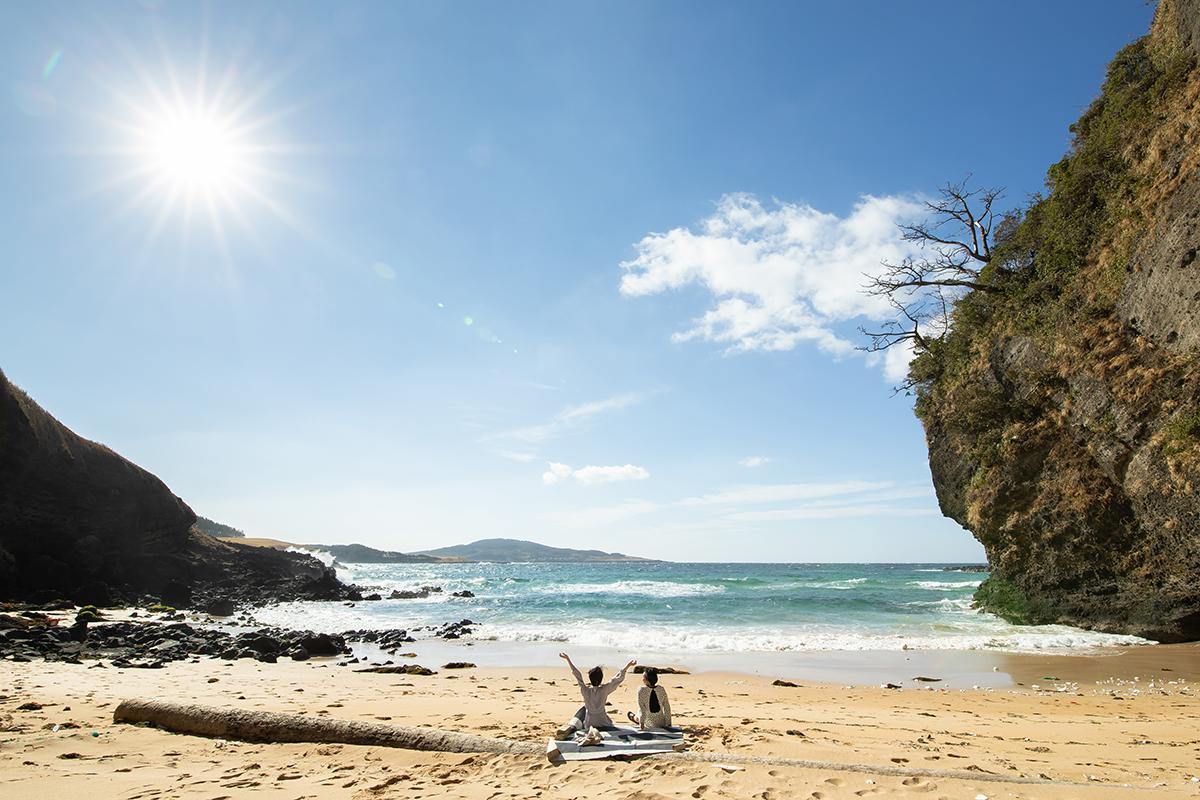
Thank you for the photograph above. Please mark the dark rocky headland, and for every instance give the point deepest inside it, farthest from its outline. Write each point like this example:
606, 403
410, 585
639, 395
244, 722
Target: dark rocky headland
1062, 412
80, 523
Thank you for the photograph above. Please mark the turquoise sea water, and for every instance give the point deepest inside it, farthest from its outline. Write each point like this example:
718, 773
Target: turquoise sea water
675, 607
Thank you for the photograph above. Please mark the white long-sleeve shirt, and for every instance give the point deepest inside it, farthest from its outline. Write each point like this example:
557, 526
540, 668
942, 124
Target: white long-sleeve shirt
594, 698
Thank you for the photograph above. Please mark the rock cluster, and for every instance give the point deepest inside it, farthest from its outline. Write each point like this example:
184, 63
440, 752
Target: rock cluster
388, 640
452, 630
414, 594
148, 644
30, 635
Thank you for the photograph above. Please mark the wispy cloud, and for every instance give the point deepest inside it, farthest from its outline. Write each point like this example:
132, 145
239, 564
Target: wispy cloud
778, 275
512, 455
570, 419
753, 461
833, 511
753, 494
600, 515
593, 474
854, 498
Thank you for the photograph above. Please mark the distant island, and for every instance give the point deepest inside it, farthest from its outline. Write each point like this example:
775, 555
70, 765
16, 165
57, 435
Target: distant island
517, 550
493, 550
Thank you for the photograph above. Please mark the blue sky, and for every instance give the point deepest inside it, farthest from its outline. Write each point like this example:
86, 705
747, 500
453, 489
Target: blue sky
580, 273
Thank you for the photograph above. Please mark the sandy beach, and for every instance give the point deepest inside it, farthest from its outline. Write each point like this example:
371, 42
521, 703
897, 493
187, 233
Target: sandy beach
1112, 726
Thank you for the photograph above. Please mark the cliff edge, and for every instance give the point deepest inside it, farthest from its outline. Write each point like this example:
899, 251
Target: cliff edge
78, 521
1062, 412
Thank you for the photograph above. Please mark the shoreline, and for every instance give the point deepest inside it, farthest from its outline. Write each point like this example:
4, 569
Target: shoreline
957, 669
953, 668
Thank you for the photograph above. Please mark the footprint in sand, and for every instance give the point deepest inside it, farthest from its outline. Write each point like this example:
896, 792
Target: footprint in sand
916, 784
835, 781
817, 796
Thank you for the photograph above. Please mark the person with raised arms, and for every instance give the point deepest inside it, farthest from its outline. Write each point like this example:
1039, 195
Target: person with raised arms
595, 694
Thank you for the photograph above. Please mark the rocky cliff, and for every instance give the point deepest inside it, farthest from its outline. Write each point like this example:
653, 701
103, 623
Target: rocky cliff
78, 521
1062, 413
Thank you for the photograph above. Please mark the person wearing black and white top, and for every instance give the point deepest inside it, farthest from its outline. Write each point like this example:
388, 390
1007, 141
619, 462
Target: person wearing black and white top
654, 710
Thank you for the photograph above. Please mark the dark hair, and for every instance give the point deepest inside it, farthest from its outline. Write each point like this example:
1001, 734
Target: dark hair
595, 675
651, 676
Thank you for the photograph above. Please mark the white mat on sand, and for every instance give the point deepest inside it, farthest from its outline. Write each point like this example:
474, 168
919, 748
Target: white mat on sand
618, 742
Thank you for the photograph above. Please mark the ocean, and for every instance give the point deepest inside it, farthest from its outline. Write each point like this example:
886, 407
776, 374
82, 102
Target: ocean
692, 608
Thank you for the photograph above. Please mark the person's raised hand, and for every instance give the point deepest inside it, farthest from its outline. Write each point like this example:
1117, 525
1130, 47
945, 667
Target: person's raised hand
564, 656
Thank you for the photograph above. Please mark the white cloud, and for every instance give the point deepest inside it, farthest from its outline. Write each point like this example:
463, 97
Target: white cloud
778, 276
593, 474
570, 418
556, 473
753, 461
895, 361
625, 472
384, 271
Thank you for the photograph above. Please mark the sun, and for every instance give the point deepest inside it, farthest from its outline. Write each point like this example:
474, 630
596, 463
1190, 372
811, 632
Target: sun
207, 152
195, 151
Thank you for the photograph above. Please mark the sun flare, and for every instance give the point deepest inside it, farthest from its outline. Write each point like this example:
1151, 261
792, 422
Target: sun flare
195, 151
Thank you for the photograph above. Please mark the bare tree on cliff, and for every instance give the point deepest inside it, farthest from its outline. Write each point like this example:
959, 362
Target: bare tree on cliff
956, 243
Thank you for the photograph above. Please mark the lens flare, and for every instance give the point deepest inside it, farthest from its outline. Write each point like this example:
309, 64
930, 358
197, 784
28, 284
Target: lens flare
52, 63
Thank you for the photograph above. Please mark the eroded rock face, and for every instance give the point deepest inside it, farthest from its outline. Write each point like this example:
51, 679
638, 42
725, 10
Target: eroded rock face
1162, 293
1074, 455
78, 521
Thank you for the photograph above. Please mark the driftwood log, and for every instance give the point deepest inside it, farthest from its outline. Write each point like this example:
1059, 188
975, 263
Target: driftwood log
271, 726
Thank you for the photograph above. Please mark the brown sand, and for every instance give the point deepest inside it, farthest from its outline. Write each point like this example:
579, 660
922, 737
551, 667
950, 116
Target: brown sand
1118, 738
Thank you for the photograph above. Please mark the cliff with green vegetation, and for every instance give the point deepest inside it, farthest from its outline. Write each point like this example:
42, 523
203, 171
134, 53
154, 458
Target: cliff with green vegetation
218, 529
1062, 411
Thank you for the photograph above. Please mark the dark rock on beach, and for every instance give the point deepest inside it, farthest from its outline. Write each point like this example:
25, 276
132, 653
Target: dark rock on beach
221, 607
454, 630
135, 644
414, 594
400, 669
386, 639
